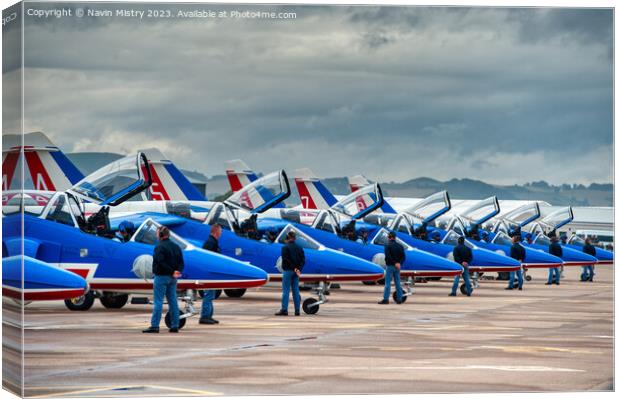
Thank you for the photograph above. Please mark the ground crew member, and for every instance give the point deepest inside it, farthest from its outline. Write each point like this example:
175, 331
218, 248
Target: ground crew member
555, 249
394, 257
293, 260
516, 252
167, 267
463, 256
212, 244
125, 231
588, 272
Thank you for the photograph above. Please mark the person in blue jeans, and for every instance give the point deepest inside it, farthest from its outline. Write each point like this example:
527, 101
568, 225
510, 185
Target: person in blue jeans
167, 267
588, 271
516, 252
463, 256
394, 257
211, 244
555, 249
293, 260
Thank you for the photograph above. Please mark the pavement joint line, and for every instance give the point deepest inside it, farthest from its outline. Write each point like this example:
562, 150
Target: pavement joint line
471, 367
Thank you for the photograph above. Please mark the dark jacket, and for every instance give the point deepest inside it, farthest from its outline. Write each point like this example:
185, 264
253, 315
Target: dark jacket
211, 245
167, 258
555, 249
589, 249
517, 252
293, 257
394, 253
462, 253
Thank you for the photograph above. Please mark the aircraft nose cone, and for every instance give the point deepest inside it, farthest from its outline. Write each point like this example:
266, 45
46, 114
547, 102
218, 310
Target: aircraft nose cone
483, 257
570, 255
535, 256
424, 262
203, 265
344, 264
604, 255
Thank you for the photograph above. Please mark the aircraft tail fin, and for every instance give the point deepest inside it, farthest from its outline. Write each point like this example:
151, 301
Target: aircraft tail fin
239, 174
359, 181
312, 191
48, 167
169, 183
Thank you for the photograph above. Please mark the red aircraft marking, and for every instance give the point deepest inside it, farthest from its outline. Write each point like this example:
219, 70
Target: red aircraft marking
40, 177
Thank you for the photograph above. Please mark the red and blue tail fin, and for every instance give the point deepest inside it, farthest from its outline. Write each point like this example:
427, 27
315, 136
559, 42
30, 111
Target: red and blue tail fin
359, 181
312, 192
239, 174
169, 183
48, 167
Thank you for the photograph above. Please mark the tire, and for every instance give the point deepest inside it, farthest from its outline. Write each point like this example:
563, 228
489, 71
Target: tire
81, 303
114, 301
528, 278
235, 293
403, 299
369, 282
168, 319
218, 293
463, 289
583, 277
309, 306
381, 281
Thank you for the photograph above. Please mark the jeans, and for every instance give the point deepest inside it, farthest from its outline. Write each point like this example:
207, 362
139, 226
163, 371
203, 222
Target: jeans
165, 286
511, 279
391, 272
554, 275
290, 281
466, 279
206, 312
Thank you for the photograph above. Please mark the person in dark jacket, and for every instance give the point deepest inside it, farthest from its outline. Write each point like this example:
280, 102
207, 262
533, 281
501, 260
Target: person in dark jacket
516, 252
463, 256
588, 271
167, 268
555, 249
293, 260
394, 257
212, 244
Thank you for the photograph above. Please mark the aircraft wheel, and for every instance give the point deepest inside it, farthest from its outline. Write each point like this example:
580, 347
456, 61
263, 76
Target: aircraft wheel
114, 301
81, 303
583, 277
310, 306
403, 299
235, 293
369, 282
168, 319
503, 276
381, 281
218, 293
528, 278
463, 289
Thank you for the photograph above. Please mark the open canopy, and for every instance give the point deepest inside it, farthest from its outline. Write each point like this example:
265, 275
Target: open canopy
431, 207
482, 211
115, 182
523, 215
262, 194
361, 202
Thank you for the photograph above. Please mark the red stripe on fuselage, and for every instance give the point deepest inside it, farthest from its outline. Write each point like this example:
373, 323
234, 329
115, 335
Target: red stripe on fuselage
40, 177
80, 272
306, 199
180, 285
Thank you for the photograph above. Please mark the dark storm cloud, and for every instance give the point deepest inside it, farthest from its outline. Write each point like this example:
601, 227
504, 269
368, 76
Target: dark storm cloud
392, 93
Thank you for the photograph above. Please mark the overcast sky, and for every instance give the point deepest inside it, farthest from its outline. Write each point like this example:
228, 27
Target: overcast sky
501, 95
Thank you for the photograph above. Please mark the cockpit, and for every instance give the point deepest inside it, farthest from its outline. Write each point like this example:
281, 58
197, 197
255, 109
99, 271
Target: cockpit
381, 238
147, 234
301, 238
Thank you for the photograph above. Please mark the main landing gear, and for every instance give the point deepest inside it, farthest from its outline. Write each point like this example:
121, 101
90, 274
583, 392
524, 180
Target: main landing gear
311, 305
407, 290
188, 311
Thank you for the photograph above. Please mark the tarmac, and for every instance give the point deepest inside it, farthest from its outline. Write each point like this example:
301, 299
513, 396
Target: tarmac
544, 338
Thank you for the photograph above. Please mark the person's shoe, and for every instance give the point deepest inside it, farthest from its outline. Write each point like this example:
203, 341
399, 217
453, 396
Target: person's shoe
591, 280
469, 294
520, 288
557, 283
206, 321
297, 313
174, 330
215, 321
151, 330
400, 302
508, 288
383, 302
548, 283
452, 294
282, 313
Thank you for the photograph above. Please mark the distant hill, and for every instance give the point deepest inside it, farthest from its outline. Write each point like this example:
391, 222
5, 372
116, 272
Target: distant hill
595, 194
